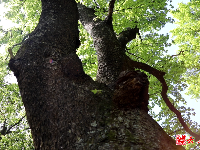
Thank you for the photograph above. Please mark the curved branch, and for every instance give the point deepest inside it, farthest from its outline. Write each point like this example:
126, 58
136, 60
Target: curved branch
160, 76
128, 35
181, 52
172, 108
143, 66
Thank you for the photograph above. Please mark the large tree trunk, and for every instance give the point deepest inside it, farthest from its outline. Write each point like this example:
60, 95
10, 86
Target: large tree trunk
61, 110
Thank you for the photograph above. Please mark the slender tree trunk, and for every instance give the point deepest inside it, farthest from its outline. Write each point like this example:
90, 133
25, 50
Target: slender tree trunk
61, 110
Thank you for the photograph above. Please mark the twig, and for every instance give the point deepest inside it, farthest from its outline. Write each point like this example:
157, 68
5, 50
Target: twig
11, 53
133, 54
15, 124
10, 49
176, 55
97, 5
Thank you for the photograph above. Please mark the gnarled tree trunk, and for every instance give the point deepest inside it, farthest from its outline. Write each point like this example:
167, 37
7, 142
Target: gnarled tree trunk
61, 110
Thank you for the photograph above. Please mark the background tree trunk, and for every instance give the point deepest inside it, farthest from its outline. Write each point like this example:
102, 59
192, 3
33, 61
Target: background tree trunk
61, 110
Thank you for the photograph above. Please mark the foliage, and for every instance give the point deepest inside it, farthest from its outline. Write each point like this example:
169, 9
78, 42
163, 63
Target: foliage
25, 15
12, 110
149, 17
12, 113
187, 37
95, 91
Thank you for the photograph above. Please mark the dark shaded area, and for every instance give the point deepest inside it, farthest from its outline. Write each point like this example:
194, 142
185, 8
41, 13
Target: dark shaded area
131, 91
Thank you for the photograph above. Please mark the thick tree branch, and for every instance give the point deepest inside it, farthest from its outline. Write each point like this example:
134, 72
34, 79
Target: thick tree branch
134, 64
128, 35
160, 76
87, 17
172, 108
110, 12
109, 51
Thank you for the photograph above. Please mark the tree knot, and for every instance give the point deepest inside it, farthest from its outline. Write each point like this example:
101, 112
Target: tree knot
131, 90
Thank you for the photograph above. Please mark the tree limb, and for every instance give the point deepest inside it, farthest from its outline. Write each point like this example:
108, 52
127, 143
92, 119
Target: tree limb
109, 53
10, 49
177, 54
8, 131
160, 76
86, 15
143, 66
4, 128
128, 35
110, 12
11, 53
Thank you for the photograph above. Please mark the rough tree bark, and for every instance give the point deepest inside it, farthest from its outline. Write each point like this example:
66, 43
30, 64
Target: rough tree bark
61, 110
